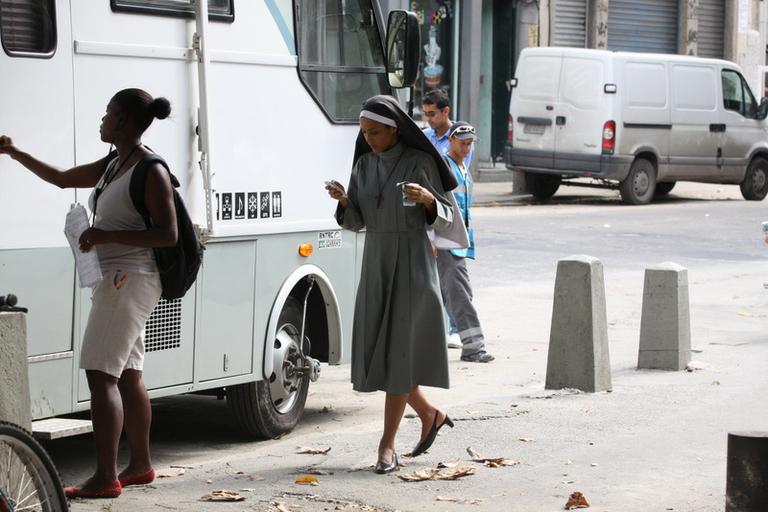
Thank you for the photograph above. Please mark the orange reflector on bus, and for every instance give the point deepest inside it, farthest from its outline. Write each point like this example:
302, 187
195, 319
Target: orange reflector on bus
306, 249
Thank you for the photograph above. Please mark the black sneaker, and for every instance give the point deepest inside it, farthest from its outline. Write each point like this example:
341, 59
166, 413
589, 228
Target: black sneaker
478, 357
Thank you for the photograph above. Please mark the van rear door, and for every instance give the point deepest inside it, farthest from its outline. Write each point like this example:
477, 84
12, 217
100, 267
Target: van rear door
533, 104
581, 111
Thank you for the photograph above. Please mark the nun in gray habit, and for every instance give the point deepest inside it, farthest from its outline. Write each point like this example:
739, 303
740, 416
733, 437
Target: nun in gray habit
397, 192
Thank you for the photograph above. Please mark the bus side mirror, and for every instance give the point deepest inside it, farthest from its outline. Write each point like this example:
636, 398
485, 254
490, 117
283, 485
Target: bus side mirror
403, 43
762, 110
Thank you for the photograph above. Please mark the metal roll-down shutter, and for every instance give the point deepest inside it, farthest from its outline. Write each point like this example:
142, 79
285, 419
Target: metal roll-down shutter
569, 26
711, 28
643, 25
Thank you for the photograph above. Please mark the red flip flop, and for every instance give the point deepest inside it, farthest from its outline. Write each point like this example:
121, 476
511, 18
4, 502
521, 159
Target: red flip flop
110, 491
146, 478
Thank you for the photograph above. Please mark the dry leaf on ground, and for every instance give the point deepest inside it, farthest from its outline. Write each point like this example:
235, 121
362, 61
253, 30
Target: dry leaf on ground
461, 501
255, 478
437, 474
280, 506
491, 462
312, 451
171, 473
363, 468
307, 480
449, 464
499, 462
472, 453
315, 471
576, 500
222, 496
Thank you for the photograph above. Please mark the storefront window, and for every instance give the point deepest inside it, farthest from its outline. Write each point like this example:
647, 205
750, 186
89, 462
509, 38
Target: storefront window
437, 19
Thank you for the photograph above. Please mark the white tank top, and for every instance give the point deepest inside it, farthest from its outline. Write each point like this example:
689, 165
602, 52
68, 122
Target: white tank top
116, 212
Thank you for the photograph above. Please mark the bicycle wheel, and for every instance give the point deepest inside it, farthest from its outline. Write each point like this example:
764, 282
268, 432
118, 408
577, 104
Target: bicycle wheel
29, 482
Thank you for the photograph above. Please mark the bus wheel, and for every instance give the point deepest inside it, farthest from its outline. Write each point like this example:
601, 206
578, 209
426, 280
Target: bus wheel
542, 186
755, 184
268, 408
640, 184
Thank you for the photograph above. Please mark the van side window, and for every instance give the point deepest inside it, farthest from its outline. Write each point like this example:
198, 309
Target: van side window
28, 27
341, 59
221, 10
737, 95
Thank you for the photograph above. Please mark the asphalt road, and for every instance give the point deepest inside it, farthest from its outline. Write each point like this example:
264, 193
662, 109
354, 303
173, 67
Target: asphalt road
657, 442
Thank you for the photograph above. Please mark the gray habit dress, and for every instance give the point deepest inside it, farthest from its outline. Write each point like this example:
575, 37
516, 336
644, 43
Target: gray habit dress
398, 336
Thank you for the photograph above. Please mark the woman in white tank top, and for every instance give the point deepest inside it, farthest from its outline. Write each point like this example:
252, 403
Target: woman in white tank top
112, 352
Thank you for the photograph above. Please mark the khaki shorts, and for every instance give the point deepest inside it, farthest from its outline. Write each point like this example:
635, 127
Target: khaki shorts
114, 337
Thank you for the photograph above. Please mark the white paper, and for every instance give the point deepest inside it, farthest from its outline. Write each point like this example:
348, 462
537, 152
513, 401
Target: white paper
87, 263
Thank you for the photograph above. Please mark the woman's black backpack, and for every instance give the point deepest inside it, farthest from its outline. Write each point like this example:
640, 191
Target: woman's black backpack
178, 265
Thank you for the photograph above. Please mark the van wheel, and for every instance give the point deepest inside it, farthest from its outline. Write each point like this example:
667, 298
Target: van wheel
542, 186
639, 185
665, 188
268, 408
755, 184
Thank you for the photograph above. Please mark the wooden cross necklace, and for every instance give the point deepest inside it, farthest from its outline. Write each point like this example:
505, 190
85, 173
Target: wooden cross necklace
380, 195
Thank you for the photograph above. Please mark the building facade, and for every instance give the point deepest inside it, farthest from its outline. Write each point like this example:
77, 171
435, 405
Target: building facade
470, 47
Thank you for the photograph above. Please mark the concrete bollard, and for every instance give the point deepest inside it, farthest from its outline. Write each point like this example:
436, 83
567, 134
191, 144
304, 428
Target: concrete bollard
14, 378
747, 473
665, 326
578, 340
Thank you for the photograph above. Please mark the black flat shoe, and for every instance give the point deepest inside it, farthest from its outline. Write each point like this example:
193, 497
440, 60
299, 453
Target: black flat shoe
382, 468
426, 443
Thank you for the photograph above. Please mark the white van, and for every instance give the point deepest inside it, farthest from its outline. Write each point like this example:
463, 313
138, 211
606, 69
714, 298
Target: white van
639, 122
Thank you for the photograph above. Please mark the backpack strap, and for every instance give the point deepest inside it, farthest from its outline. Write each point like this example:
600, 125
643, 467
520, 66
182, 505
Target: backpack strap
138, 183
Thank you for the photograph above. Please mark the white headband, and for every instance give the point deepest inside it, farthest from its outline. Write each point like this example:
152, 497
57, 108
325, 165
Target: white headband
378, 118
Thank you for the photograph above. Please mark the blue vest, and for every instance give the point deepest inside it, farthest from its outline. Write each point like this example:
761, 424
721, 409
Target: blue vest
463, 195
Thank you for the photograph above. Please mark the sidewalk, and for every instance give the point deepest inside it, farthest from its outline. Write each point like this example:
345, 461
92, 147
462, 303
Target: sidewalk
509, 193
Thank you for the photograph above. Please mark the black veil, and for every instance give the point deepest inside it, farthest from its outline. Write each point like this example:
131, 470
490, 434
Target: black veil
410, 134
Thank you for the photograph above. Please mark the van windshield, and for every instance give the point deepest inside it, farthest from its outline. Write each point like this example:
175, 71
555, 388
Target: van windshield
736, 94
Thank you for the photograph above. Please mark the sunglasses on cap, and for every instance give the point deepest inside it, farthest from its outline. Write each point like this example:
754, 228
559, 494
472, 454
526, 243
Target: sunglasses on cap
465, 128
465, 131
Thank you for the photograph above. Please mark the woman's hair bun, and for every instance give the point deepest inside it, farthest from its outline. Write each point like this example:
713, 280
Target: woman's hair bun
160, 108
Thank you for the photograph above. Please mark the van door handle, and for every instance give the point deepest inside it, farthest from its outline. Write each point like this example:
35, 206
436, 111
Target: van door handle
560, 120
717, 128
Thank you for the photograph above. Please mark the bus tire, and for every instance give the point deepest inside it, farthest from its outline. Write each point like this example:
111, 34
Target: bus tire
542, 186
640, 184
269, 408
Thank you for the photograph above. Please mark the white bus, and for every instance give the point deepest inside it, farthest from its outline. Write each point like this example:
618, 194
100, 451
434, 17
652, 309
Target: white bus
265, 97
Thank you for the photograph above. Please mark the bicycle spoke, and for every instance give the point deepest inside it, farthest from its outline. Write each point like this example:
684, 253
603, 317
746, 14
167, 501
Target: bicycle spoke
27, 483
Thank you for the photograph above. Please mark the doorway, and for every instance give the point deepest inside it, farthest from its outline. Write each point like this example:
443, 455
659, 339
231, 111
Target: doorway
503, 70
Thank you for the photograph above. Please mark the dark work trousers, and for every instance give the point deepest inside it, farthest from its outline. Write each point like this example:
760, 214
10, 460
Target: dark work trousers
457, 297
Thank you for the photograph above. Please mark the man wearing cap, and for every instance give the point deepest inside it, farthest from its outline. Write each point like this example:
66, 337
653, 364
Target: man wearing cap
451, 263
436, 109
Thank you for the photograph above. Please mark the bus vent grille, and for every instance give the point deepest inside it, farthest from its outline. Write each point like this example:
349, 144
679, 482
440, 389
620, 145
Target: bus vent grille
164, 326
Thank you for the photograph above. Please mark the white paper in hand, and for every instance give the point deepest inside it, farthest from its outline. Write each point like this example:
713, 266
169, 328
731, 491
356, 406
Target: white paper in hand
87, 263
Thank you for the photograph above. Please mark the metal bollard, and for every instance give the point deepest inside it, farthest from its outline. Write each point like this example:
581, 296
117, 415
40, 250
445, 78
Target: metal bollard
746, 487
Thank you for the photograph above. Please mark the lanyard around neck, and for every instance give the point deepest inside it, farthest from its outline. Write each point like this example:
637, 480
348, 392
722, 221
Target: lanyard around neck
109, 176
